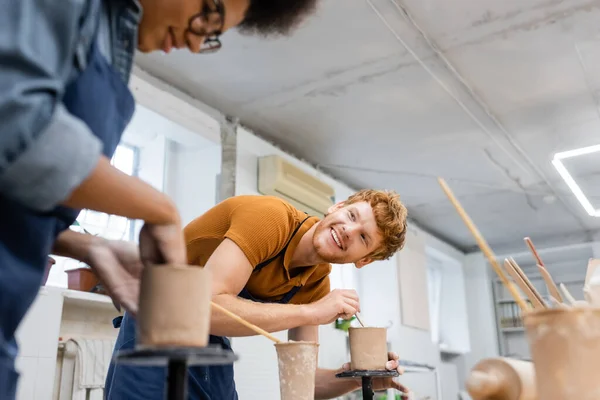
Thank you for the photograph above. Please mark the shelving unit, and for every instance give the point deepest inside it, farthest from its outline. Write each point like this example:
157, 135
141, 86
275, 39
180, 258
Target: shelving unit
511, 332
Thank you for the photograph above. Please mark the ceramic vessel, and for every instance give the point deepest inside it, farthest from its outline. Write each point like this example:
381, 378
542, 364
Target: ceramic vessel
565, 349
297, 363
368, 348
174, 307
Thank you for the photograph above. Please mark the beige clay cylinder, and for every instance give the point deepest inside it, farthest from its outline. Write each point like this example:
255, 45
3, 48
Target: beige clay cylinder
174, 308
368, 348
297, 369
502, 379
565, 349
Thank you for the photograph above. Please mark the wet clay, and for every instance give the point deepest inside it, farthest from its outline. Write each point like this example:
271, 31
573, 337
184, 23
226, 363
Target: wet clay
565, 349
368, 348
174, 308
502, 379
297, 369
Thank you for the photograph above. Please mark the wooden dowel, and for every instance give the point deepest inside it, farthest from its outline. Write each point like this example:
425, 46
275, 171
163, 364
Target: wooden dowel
567, 294
537, 257
537, 303
533, 289
552, 288
244, 322
485, 248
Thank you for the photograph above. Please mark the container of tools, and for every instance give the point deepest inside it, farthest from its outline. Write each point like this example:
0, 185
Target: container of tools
565, 349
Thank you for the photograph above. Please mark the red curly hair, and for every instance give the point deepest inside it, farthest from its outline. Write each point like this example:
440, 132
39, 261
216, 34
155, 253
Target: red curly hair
391, 216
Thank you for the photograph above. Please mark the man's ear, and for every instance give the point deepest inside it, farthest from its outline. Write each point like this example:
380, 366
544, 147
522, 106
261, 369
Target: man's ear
335, 207
362, 262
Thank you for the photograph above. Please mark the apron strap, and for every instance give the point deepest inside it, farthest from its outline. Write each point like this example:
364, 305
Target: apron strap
267, 262
286, 299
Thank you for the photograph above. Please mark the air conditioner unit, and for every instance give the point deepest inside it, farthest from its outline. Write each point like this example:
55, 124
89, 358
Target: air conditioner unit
278, 177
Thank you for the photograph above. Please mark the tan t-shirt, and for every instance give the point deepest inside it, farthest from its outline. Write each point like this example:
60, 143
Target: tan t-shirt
261, 226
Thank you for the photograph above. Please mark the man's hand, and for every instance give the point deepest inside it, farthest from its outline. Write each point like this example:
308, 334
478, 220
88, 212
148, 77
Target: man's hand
339, 303
162, 244
118, 265
387, 383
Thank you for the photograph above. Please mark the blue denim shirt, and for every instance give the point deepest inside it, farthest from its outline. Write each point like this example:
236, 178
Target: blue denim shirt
45, 152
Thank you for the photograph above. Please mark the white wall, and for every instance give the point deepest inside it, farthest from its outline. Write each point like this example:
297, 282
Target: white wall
191, 178
480, 307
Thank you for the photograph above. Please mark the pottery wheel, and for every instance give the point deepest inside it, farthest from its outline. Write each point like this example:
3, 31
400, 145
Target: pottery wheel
367, 379
177, 360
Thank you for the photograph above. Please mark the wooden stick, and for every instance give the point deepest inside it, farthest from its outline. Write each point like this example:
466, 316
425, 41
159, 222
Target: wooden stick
522, 284
567, 294
244, 322
533, 289
593, 263
483, 246
360, 320
534, 251
552, 288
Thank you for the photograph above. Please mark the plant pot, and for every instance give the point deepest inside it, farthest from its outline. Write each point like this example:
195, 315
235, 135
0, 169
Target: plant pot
85, 280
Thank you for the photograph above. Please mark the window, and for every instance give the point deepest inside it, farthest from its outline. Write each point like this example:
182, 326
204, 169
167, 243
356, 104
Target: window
112, 226
126, 159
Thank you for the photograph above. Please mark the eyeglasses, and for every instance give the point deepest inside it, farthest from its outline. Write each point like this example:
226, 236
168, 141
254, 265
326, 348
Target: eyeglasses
200, 24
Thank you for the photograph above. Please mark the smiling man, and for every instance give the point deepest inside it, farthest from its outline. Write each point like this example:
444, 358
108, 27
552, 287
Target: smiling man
270, 264
64, 104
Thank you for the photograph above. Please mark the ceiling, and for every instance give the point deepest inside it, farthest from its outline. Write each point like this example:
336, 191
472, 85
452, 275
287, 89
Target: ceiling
394, 93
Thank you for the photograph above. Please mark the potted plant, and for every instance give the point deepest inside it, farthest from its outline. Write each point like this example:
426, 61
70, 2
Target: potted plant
82, 277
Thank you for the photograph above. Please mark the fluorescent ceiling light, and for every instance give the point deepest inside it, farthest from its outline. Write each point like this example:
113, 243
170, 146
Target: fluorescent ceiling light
569, 179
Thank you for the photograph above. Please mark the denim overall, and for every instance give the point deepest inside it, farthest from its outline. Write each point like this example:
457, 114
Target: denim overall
215, 382
98, 96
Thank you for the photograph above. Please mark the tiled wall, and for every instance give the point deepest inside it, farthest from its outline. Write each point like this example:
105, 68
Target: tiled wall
56, 313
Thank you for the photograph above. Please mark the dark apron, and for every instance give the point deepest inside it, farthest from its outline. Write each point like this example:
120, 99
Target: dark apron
215, 382
100, 97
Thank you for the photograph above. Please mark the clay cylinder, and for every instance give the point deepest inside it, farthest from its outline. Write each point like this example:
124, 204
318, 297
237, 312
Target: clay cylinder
174, 308
565, 349
297, 369
368, 348
502, 379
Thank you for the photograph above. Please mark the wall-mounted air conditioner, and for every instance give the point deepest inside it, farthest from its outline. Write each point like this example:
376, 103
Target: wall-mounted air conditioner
278, 177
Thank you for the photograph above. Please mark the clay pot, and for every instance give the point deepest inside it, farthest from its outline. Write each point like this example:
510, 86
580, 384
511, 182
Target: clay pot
502, 379
297, 369
84, 279
174, 307
368, 348
565, 349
